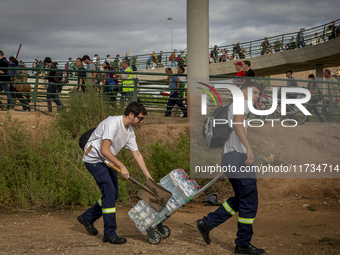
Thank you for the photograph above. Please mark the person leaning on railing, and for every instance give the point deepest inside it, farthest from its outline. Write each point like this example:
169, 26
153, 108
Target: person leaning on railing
291, 45
277, 45
315, 39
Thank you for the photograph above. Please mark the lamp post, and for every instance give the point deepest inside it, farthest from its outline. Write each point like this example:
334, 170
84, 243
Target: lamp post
172, 48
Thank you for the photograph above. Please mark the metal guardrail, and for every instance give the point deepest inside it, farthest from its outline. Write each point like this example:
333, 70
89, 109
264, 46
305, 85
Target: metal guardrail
146, 91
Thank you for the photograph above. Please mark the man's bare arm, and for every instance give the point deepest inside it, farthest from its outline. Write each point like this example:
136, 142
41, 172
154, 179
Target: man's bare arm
141, 163
241, 134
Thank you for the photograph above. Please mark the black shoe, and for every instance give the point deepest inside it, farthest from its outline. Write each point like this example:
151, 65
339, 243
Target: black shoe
202, 228
114, 240
89, 227
248, 250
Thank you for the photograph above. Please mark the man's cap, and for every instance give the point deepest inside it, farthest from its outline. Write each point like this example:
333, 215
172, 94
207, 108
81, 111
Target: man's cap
238, 63
48, 60
266, 38
175, 50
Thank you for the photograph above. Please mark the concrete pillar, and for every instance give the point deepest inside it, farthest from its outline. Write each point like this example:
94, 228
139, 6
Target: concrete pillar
197, 43
319, 75
319, 71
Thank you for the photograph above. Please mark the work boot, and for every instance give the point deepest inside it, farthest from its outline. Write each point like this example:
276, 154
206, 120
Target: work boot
114, 240
89, 227
248, 250
202, 228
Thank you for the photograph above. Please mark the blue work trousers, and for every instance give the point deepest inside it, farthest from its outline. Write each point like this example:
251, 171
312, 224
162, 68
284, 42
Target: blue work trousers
245, 202
107, 181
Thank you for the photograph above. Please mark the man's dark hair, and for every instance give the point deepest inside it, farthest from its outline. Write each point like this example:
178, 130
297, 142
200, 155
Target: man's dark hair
168, 69
249, 83
136, 108
181, 67
247, 62
69, 59
289, 71
12, 59
1, 53
86, 57
96, 55
108, 56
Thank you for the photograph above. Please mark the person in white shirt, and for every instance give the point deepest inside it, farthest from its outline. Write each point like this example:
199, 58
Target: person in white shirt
110, 136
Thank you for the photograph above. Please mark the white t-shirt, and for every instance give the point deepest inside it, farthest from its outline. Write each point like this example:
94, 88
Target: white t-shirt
234, 143
112, 128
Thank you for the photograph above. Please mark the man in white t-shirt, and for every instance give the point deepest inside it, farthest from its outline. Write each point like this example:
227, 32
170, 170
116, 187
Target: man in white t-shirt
237, 153
110, 136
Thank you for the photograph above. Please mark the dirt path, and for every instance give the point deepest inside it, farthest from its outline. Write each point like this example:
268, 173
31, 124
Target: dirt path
284, 226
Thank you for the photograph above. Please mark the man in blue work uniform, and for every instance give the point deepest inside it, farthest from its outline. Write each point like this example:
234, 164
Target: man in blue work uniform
238, 153
110, 136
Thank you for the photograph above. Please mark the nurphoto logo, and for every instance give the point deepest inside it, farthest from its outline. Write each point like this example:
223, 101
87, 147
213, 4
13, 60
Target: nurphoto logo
238, 102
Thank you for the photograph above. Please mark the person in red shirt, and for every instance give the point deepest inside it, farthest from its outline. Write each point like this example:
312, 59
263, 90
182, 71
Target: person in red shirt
240, 73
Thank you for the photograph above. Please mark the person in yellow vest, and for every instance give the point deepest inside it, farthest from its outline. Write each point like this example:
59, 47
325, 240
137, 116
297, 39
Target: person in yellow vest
127, 81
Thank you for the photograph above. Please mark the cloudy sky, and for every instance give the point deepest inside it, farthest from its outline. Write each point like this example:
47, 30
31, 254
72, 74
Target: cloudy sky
68, 28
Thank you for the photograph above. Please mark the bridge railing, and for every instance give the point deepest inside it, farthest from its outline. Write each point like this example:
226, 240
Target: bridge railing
288, 41
252, 49
153, 94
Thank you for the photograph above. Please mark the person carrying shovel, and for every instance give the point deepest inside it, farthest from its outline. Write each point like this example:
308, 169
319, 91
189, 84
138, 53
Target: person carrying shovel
110, 136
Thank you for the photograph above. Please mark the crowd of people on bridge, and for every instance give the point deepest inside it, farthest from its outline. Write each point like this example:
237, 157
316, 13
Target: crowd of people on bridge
238, 52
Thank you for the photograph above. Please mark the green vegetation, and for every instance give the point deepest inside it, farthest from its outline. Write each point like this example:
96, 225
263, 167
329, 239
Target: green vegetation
85, 111
44, 169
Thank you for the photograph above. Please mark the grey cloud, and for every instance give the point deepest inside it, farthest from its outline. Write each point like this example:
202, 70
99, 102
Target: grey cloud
65, 28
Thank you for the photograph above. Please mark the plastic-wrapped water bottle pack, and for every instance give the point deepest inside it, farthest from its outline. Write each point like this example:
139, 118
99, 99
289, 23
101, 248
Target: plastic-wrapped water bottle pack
181, 187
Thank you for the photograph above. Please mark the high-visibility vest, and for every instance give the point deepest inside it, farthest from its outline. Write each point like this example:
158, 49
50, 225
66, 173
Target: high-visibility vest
129, 81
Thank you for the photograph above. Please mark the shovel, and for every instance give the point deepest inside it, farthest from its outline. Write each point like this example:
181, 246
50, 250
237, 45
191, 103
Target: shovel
152, 193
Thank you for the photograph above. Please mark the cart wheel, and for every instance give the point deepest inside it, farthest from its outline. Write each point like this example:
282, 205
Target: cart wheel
157, 237
167, 232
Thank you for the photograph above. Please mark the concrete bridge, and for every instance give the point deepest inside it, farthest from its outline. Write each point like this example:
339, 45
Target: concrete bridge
316, 57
